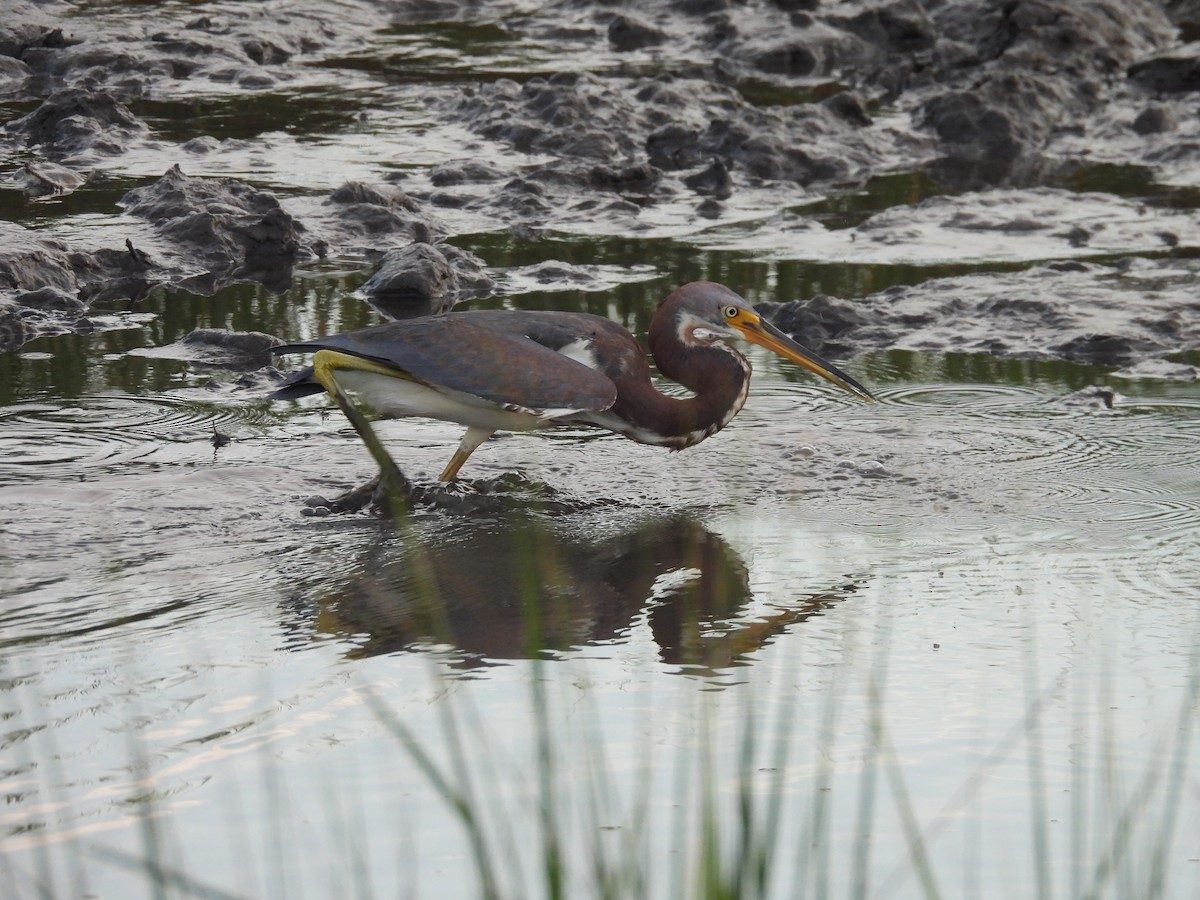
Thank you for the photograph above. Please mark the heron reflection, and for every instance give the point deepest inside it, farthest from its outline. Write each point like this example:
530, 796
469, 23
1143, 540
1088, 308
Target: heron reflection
527, 588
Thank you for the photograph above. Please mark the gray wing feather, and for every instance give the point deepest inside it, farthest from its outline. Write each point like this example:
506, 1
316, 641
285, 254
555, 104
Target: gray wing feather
453, 352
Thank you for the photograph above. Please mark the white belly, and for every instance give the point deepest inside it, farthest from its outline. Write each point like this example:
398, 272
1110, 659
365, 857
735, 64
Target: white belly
397, 397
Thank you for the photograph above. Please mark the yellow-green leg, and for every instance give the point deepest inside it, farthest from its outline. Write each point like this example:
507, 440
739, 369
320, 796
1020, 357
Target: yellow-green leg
395, 487
472, 439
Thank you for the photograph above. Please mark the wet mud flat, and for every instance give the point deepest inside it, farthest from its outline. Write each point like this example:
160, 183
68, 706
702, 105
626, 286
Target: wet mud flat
726, 125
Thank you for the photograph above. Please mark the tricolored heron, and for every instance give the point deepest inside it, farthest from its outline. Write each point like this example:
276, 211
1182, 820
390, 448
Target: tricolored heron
511, 370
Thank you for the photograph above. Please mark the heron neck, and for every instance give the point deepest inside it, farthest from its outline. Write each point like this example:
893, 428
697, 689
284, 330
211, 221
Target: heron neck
718, 378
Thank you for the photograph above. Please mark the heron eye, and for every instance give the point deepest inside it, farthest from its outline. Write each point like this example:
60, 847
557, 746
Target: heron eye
731, 312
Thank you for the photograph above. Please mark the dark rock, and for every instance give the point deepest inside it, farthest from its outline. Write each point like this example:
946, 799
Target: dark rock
1160, 369
848, 106
448, 201
552, 271
787, 59
1024, 70
29, 262
470, 172
713, 181
1154, 119
965, 118
1095, 397
14, 74
1167, 74
1186, 15
270, 244
421, 279
1105, 349
627, 33
721, 31
639, 179
901, 28
201, 145
1076, 236
18, 38
15, 36
265, 52
981, 139
702, 7
769, 153
230, 349
567, 115
819, 322
1084, 40
357, 192
51, 286
674, 147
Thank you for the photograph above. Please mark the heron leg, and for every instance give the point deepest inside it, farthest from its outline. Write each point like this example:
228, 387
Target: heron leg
472, 439
394, 486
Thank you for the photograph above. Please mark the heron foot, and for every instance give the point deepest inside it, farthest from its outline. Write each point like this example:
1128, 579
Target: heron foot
351, 501
388, 493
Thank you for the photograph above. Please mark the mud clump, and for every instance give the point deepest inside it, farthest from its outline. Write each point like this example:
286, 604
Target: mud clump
1035, 68
651, 141
13, 333
231, 349
27, 314
29, 262
79, 123
235, 231
628, 33
828, 324
1086, 313
423, 279
1098, 396
378, 216
39, 286
1168, 74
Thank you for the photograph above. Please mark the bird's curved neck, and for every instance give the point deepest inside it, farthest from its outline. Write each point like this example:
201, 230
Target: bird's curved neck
716, 374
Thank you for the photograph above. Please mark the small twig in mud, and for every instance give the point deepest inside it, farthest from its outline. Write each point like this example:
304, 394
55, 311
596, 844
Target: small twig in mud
140, 257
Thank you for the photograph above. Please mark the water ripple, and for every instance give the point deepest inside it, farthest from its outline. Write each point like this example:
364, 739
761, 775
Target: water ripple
973, 449
109, 431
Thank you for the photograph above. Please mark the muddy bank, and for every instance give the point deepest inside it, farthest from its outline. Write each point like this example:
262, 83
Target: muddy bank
677, 120
1106, 315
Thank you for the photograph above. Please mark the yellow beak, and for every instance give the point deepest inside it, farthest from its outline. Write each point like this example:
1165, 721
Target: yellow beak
763, 333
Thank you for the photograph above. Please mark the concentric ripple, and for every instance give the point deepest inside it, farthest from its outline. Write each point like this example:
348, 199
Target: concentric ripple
1136, 464
107, 431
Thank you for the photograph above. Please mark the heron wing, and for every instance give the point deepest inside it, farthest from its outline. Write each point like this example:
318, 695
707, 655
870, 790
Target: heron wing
455, 353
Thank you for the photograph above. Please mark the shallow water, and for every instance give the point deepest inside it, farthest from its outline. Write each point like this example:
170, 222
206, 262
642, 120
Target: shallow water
960, 625
1015, 577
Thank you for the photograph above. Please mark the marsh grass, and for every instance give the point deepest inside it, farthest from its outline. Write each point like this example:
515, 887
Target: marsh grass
586, 829
733, 817
728, 819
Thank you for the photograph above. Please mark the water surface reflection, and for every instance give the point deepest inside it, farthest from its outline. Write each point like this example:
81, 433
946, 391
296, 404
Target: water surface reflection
522, 587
